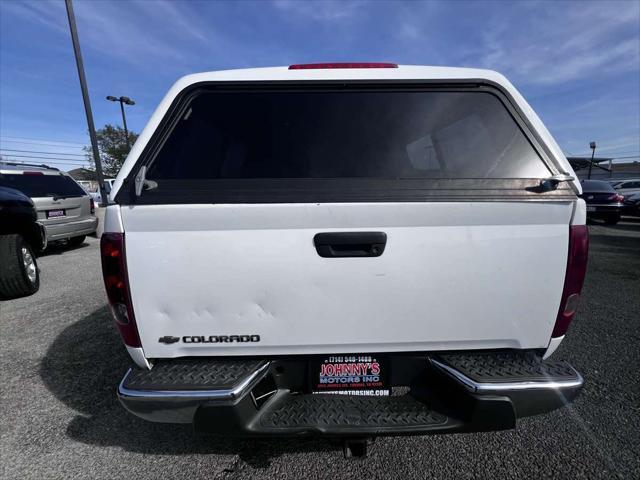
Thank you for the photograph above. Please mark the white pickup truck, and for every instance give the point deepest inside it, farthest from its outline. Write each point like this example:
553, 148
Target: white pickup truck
347, 250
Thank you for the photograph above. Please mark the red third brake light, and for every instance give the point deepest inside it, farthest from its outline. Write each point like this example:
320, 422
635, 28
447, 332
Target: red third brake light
320, 66
574, 278
116, 282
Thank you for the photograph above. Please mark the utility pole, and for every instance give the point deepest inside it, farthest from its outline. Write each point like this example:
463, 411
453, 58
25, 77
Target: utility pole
592, 146
85, 99
123, 101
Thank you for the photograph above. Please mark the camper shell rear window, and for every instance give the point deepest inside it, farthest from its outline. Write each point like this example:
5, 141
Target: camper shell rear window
284, 144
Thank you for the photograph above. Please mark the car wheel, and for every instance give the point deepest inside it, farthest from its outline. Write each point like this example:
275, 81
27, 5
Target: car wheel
19, 275
612, 220
76, 241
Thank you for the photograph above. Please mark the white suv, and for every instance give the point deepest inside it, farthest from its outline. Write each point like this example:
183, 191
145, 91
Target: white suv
293, 249
64, 208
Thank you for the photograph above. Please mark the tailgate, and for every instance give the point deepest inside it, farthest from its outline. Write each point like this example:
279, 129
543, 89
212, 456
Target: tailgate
452, 276
53, 212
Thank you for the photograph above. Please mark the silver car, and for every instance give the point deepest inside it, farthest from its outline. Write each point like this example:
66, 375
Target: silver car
64, 208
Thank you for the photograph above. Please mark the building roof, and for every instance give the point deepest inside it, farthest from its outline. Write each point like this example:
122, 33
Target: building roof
83, 174
578, 163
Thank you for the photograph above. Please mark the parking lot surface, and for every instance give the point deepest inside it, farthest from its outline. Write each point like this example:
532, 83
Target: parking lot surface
61, 359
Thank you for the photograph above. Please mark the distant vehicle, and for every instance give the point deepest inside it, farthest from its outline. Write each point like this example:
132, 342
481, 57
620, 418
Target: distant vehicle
291, 244
92, 190
96, 197
64, 208
628, 186
631, 205
88, 185
603, 202
21, 237
108, 185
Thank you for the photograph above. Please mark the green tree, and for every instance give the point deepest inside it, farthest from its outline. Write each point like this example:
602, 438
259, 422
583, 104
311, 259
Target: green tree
113, 148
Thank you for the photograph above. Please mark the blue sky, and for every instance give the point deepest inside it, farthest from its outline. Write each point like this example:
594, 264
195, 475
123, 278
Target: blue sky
578, 63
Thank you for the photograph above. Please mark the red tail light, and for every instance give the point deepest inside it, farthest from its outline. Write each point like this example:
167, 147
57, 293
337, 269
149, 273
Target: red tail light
574, 278
116, 282
312, 66
93, 205
616, 197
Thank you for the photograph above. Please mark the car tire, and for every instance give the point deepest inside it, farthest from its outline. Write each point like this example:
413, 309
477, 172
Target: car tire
76, 241
612, 219
19, 275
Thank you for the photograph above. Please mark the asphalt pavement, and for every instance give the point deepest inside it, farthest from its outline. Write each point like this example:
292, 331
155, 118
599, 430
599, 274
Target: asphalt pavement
61, 360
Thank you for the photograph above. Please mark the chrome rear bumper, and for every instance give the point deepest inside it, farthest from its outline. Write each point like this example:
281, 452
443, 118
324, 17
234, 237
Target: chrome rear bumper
448, 393
72, 228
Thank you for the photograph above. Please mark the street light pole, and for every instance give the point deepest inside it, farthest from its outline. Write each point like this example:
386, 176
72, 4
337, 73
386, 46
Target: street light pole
124, 122
123, 101
85, 99
592, 146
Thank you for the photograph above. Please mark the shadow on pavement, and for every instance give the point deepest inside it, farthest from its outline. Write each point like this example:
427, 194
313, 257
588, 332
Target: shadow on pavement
82, 368
624, 245
61, 247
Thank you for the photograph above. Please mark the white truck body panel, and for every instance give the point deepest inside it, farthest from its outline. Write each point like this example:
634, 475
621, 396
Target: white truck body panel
457, 275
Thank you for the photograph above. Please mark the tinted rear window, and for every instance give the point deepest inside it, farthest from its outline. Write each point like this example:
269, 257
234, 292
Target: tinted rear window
596, 186
42, 185
346, 134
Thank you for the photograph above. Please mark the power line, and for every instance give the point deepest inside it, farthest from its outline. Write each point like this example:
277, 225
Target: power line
604, 151
41, 140
41, 144
606, 155
68, 160
60, 165
46, 153
27, 162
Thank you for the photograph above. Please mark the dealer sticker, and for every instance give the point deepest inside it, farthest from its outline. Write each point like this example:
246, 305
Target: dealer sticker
350, 375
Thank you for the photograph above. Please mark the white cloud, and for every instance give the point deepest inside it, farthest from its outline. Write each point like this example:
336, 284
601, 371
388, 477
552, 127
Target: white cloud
321, 10
47, 13
555, 43
133, 32
181, 21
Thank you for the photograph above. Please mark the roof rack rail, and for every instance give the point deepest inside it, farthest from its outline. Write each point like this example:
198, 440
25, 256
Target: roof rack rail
25, 164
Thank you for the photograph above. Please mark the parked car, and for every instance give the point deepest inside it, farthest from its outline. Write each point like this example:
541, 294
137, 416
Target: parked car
93, 191
628, 186
603, 202
21, 238
631, 205
87, 185
64, 208
290, 246
108, 185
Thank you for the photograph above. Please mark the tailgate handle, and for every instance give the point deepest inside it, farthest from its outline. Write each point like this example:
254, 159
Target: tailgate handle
350, 244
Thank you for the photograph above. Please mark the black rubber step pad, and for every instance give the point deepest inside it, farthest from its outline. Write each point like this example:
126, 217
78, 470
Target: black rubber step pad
192, 374
335, 411
498, 367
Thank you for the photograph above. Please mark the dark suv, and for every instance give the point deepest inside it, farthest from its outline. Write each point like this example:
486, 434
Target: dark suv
21, 237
